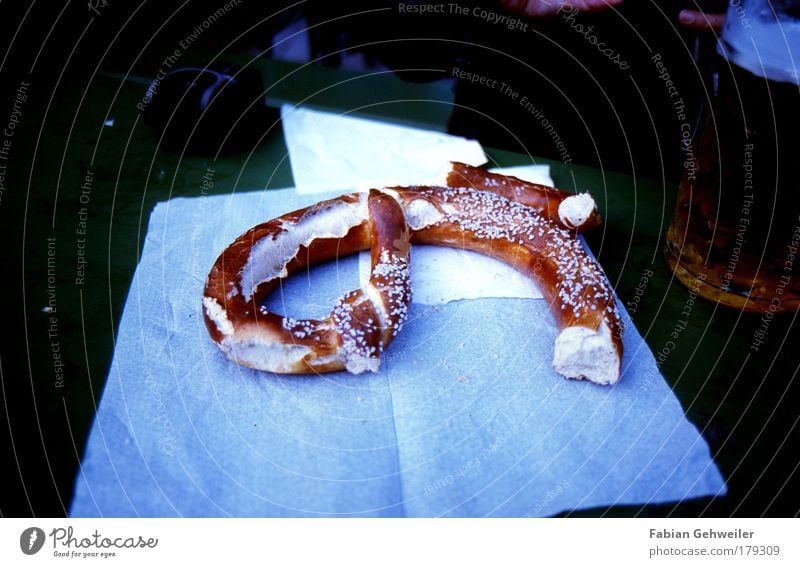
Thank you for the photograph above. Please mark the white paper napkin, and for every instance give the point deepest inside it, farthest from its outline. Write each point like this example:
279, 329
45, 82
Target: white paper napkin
336, 152
466, 416
534, 173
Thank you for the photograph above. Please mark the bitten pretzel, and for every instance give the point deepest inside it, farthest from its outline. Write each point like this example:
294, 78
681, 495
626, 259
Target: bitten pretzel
576, 212
362, 323
589, 342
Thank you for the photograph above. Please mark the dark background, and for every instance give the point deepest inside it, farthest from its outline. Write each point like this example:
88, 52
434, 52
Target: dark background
75, 61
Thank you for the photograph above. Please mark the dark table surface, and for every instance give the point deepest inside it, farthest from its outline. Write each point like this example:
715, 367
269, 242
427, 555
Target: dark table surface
60, 330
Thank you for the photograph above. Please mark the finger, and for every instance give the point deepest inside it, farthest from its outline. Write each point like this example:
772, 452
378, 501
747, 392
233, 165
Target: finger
701, 20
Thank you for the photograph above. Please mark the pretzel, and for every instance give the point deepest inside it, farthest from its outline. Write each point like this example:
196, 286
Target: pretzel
576, 212
363, 322
589, 343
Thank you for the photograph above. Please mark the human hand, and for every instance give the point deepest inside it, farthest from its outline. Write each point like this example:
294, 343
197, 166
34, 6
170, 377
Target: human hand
701, 21
544, 8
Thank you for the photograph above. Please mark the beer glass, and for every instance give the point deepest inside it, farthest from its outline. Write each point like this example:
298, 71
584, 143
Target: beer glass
735, 233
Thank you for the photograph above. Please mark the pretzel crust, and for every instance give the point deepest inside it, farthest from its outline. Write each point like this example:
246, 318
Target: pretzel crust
576, 212
362, 323
360, 327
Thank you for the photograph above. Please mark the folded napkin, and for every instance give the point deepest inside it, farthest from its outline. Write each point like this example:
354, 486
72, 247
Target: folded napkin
340, 152
465, 417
